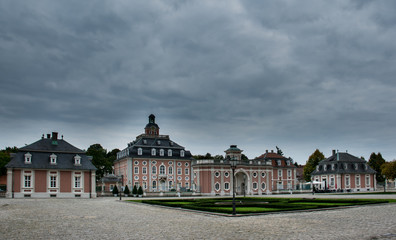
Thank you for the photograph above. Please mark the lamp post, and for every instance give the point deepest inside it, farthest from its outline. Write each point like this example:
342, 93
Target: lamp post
122, 181
384, 183
233, 162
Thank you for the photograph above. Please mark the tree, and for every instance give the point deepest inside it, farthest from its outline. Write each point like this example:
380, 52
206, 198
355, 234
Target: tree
311, 164
140, 191
244, 157
134, 190
375, 162
126, 190
279, 151
389, 169
112, 155
5, 158
115, 190
99, 160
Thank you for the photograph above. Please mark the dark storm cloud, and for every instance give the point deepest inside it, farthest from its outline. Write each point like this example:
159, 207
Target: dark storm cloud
261, 73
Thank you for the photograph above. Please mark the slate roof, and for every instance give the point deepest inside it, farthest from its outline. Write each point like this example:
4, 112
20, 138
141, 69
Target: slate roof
342, 164
274, 158
148, 142
41, 151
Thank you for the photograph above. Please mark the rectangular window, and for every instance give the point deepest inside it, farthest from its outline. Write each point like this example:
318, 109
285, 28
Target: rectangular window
170, 170
144, 170
53, 181
279, 173
28, 181
347, 181
186, 171
357, 180
77, 182
187, 186
368, 180
289, 173
145, 185
332, 182
136, 170
179, 171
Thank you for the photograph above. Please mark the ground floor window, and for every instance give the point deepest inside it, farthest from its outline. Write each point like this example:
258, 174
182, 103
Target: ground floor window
145, 185
77, 182
226, 186
347, 181
263, 186
170, 184
28, 181
357, 180
367, 180
154, 184
332, 181
217, 186
53, 181
254, 185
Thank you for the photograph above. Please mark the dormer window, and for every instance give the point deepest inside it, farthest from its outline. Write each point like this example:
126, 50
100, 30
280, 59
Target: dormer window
144, 141
346, 166
158, 142
317, 168
161, 152
279, 162
324, 167
140, 151
288, 163
77, 160
53, 159
153, 152
356, 166
28, 158
182, 153
170, 152
332, 167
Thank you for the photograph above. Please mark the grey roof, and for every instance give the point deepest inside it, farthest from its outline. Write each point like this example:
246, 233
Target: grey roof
147, 143
48, 145
41, 151
342, 163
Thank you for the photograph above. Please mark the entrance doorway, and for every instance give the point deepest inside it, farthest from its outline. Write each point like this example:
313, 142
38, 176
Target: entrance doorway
241, 184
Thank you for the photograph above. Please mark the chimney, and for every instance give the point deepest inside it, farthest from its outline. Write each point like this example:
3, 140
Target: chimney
48, 136
272, 151
334, 152
54, 136
266, 151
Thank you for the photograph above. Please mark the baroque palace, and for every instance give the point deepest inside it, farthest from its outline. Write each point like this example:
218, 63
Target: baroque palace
158, 164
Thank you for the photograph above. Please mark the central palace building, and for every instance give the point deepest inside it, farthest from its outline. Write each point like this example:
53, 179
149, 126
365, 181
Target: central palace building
159, 165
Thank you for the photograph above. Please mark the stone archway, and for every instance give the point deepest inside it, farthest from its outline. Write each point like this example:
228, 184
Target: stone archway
242, 183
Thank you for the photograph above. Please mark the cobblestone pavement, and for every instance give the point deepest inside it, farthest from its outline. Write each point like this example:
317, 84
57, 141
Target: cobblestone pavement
108, 218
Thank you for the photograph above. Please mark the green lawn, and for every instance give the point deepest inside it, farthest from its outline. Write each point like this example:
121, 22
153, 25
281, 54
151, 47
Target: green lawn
259, 205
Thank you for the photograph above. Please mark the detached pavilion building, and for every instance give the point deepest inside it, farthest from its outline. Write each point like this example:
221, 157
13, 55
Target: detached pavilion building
344, 172
50, 167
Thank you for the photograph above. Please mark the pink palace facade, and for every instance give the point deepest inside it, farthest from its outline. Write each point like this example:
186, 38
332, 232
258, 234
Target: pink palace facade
159, 165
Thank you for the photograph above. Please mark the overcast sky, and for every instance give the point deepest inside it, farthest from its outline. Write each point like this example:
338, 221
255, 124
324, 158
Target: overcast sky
299, 75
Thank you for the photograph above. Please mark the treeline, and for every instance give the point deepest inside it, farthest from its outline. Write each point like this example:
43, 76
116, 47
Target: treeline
218, 157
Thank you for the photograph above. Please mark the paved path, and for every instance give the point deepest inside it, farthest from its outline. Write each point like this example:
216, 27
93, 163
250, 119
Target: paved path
108, 218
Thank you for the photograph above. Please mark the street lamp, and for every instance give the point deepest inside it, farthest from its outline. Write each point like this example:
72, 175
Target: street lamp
233, 162
384, 183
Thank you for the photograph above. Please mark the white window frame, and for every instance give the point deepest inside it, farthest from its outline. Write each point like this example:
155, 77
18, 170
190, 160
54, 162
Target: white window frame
254, 185
217, 186
136, 170
28, 158
170, 170
161, 152
226, 186
53, 158
186, 171
52, 174
154, 184
154, 170
179, 171
369, 180
181, 153
153, 152
162, 170
77, 160
77, 181
357, 180
140, 151
289, 173
169, 152
144, 170
27, 181
263, 184
280, 173
170, 184
347, 181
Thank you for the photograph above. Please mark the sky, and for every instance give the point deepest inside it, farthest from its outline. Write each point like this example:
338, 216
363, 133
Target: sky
300, 75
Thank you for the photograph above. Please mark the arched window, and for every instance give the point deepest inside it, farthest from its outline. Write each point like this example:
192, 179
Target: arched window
154, 170
170, 170
53, 158
153, 152
28, 158
161, 152
217, 186
154, 184
170, 152
182, 153
140, 151
162, 169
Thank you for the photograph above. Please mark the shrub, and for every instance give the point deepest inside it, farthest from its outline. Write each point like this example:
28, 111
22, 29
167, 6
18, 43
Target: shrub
115, 190
140, 191
126, 190
134, 190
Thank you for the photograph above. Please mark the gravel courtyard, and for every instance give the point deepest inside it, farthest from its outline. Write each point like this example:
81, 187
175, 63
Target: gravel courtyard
108, 218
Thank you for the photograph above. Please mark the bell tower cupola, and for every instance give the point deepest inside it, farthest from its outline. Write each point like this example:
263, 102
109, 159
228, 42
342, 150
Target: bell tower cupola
152, 128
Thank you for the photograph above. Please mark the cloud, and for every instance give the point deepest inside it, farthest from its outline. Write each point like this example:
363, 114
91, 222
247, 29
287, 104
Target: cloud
296, 74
